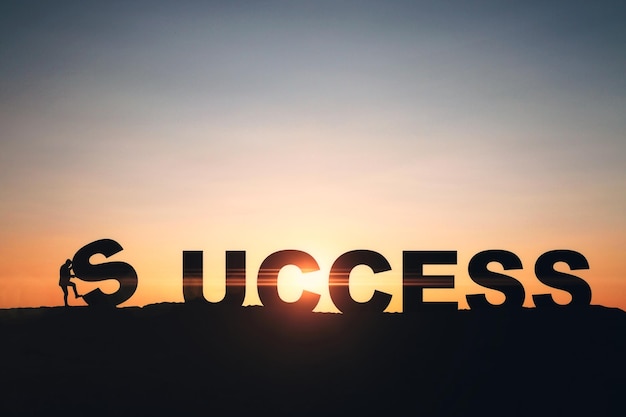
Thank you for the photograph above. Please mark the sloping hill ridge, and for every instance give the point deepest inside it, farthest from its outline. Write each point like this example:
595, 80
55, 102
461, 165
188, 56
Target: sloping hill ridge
180, 359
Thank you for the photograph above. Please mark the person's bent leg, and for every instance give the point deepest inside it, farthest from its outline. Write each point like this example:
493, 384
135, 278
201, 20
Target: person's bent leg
75, 292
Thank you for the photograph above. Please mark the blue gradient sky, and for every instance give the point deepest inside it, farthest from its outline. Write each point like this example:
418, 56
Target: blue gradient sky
321, 126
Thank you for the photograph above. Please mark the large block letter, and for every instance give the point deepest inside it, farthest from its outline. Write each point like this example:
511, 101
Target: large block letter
513, 290
414, 281
577, 287
235, 277
119, 271
267, 280
340, 276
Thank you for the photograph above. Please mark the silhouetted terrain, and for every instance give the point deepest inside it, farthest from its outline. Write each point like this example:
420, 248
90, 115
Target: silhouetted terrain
177, 359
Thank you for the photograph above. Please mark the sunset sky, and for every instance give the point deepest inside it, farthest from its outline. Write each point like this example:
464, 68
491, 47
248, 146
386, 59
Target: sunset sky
318, 126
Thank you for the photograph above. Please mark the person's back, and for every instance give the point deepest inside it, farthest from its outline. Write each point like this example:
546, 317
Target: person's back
64, 274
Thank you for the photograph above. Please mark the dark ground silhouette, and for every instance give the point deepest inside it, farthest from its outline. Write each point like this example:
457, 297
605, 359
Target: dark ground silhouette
181, 359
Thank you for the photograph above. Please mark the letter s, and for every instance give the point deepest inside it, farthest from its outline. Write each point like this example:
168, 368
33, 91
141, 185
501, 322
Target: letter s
577, 287
512, 289
120, 271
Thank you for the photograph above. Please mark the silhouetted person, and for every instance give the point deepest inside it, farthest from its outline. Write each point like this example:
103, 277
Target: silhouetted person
64, 280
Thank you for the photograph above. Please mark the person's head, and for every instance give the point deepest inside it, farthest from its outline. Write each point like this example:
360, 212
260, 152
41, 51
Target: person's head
68, 262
